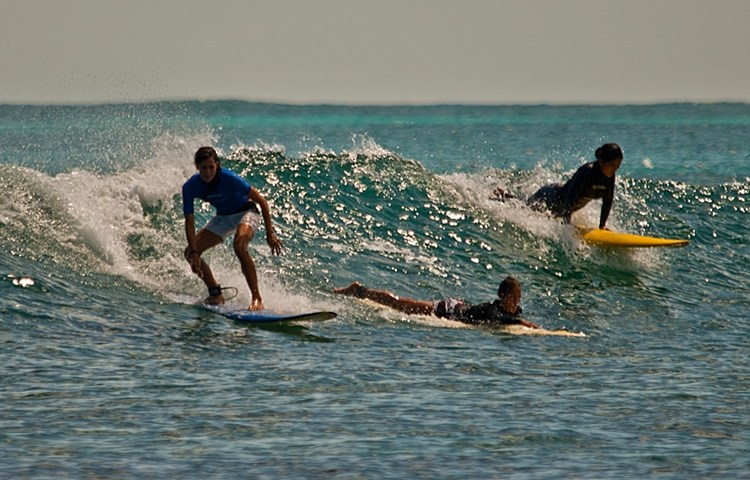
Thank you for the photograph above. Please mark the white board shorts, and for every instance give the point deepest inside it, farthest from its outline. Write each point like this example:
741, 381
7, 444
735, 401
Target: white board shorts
446, 308
225, 225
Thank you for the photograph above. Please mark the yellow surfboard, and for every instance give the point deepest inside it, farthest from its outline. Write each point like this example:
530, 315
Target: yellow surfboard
607, 238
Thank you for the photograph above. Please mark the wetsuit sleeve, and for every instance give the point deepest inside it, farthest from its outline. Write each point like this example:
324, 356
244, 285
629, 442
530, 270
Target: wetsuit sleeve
577, 185
609, 196
188, 197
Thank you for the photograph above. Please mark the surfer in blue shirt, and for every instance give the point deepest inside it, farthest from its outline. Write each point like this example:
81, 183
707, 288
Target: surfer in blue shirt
594, 180
504, 311
236, 204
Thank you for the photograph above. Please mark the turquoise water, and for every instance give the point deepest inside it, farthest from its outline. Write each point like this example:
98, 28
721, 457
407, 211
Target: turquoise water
109, 372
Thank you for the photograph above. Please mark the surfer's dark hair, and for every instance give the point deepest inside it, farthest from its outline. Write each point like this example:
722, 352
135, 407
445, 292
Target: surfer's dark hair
608, 152
507, 286
204, 153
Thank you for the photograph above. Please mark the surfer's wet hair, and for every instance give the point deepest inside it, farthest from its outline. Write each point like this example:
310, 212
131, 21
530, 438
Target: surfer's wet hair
608, 152
508, 285
204, 153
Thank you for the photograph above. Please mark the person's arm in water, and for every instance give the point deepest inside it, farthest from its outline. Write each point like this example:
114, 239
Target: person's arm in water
271, 238
501, 195
526, 323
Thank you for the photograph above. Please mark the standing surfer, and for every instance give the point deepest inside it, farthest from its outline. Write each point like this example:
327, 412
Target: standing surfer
236, 213
592, 181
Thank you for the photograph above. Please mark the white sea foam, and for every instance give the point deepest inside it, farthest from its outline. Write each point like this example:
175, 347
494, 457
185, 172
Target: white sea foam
364, 145
107, 210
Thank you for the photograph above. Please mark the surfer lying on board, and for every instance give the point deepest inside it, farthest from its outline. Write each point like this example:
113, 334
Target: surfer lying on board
504, 311
592, 181
236, 212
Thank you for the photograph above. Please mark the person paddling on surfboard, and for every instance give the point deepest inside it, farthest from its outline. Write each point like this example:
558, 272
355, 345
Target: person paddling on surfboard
504, 311
236, 213
592, 181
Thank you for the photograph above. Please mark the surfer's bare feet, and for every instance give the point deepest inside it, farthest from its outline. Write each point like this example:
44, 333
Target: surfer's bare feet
352, 290
214, 300
256, 305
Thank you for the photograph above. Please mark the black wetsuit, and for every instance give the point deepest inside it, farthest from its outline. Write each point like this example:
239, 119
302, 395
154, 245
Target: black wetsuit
487, 314
588, 183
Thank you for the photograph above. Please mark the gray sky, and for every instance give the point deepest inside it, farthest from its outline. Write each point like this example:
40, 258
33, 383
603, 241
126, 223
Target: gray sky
379, 51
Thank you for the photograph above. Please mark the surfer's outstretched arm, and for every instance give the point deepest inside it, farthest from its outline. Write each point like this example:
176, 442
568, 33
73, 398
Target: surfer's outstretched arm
406, 305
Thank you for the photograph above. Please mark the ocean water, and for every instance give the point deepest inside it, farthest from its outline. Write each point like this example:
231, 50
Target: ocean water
108, 371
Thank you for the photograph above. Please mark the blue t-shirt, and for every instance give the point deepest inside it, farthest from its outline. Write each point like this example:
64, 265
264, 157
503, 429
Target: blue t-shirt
228, 195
